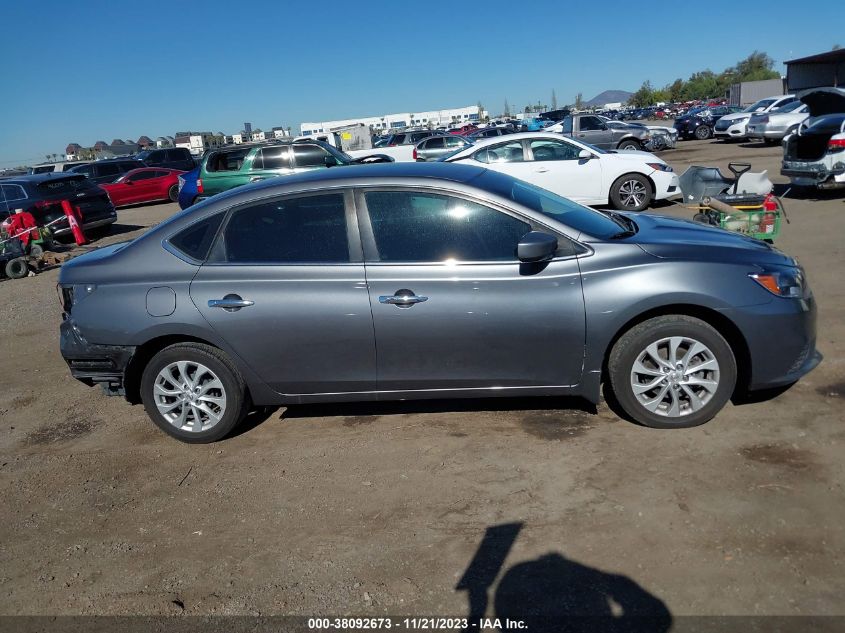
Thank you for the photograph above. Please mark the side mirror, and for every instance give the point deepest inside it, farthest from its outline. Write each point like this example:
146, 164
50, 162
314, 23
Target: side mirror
329, 161
536, 247
585, 154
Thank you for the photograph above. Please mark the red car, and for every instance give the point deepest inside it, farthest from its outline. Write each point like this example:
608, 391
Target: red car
146, 184
469, 128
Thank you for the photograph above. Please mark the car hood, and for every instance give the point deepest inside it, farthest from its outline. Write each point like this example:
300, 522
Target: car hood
637, 156
673, 238
823, 101
736, 117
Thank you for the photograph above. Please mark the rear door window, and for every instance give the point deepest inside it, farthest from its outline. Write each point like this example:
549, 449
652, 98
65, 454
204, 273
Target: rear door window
273, 157
227, 161
434, 143
107, 169
10, 193
296, 230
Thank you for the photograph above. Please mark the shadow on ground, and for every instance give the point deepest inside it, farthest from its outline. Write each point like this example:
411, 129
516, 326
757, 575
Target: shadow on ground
554, 593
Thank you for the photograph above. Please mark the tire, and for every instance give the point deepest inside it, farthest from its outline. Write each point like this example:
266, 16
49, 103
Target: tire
225, 393
703, 132
631, 192
173, 193
628, 145
17, 268
36, 251
673, 402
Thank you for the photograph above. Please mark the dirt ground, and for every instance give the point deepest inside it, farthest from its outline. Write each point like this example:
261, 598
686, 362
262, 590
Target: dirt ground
381, 509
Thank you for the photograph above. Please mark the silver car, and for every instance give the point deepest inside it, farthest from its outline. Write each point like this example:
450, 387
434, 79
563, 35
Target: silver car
429, 280
434, 147
775, 125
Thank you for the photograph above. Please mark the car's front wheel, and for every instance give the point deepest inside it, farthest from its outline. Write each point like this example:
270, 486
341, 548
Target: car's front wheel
703, 132
631, 192
629, 145
173, 193
672, 371
193, 392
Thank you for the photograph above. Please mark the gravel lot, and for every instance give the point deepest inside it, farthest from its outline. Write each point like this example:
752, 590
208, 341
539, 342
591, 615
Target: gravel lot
379, 509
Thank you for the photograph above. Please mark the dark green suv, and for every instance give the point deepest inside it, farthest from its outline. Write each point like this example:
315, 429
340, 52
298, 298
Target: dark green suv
230, 167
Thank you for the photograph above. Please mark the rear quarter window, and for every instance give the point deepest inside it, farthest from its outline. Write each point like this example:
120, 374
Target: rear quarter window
195, 240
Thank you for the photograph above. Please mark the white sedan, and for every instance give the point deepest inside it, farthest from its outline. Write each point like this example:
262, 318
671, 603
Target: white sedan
627, 180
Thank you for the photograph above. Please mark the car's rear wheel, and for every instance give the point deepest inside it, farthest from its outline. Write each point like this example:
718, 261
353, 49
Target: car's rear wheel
629, 145
672, 371
703, 132
631, 192
194, 393
173, 193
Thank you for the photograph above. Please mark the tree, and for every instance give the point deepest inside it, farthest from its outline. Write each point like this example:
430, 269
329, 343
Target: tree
675, 90
643, 97
554, 100
756, 66
527, 109
579, 101
836, 47
47, 156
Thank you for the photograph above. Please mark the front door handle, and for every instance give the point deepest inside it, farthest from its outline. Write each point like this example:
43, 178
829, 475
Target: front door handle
230, 303
403, 298
542, 170
256, 178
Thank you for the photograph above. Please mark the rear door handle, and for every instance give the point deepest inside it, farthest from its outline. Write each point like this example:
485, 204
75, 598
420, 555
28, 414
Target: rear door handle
542, 170
230, 303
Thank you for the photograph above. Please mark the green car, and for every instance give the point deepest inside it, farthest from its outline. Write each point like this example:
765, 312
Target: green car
231, 167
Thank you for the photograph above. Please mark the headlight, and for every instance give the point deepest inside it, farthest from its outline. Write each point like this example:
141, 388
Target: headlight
783, 281
660, 166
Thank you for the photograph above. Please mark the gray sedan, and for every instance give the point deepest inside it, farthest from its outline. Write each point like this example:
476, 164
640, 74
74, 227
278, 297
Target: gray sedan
407, 281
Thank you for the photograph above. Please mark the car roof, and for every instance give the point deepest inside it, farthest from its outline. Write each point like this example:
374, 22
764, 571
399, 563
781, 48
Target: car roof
380, 171
39, 178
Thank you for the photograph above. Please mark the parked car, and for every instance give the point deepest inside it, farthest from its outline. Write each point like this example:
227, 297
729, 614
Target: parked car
487, 132
434, 147
230, 167
464, 130
774, 125
146, 184
281, 292
106, 170
583, 173
406, 138
186, 183
171, 158
699, 122
51, 168
32, 193
597, 130
814, 155
733, 126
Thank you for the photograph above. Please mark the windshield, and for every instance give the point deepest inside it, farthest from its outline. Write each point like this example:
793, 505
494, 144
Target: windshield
580, 218
762, 104
789, 107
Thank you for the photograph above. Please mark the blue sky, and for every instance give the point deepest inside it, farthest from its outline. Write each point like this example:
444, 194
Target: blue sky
103, 69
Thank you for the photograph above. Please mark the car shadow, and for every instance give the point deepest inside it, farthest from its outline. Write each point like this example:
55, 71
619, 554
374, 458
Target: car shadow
554, 593
402, 407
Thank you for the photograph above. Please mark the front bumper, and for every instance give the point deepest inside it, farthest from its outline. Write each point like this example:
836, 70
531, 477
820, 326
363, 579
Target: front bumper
781, 338
91, 363
666, 184
763, 131
737, 130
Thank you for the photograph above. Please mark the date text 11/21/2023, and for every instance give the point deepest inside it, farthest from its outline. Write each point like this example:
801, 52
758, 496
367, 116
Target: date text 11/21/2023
415, 624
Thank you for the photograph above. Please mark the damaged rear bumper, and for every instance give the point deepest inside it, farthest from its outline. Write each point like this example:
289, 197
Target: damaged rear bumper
91, 363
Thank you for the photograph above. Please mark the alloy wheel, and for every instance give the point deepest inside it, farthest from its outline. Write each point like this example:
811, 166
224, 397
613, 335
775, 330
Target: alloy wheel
675, 376
189, 396
632, 193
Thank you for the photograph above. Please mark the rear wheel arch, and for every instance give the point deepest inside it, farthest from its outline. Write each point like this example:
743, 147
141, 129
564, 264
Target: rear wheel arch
722, 324
145, 352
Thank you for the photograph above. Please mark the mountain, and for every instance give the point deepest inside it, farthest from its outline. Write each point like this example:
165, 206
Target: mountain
609, 96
